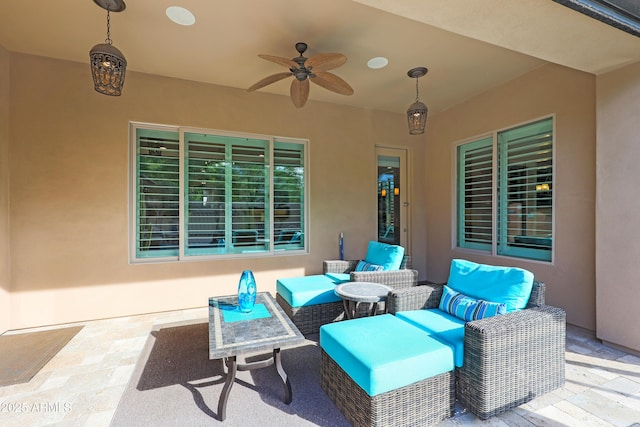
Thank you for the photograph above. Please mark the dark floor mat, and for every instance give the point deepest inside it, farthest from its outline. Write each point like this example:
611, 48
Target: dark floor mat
23, 355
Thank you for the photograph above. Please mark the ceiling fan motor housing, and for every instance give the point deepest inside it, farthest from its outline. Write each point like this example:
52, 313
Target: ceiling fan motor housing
301, 72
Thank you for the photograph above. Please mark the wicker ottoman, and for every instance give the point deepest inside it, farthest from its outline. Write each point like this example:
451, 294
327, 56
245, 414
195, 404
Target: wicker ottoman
382, 371
310, 301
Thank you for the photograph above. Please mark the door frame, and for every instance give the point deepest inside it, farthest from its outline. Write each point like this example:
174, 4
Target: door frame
404, 153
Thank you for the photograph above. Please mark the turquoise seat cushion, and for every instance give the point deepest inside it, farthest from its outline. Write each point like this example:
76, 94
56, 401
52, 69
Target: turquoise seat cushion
382, 353
387, 256
338, 278
508, 285
307, 290
442, 325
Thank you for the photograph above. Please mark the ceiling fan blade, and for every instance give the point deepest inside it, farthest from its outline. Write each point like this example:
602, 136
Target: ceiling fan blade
325, 61
299, 92
279, 60
332, 82
268, 80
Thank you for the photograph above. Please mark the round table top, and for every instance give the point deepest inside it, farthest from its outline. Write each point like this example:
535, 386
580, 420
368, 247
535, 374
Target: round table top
362, 291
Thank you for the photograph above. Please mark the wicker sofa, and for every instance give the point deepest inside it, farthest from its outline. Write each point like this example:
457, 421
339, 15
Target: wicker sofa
508, 359
309, 317
404, 277
311, 302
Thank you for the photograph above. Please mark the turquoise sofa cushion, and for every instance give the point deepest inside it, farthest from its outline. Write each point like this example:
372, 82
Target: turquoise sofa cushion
382, 353
508, 285
442, 325
307, 290
467, 308
388, 256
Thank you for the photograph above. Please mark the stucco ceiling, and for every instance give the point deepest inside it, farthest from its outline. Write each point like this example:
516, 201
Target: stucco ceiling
469, 46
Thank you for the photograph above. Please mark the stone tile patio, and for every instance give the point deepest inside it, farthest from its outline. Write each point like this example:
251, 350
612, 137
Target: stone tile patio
83, 383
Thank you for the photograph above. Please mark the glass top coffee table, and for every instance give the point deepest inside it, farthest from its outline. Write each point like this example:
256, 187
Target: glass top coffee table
355, 293
232, 333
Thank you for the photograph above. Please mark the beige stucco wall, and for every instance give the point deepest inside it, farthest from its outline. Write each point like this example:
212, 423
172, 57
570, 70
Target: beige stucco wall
5, 305
618, 207
570, 95
69, 184
70, 181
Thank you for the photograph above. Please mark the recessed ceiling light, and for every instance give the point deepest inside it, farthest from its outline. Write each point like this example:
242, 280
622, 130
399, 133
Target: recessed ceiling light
180, 15
377, 62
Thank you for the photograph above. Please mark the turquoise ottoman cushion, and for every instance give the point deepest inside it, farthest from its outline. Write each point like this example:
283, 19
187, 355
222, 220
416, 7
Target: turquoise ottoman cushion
307, 290
382, 353
438, 323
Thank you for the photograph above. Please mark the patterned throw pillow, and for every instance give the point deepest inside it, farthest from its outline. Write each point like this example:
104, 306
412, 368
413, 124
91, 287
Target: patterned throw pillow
365, 266
467, 308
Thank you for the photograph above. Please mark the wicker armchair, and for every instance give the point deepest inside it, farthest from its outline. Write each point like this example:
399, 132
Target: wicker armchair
508, 359
405, 277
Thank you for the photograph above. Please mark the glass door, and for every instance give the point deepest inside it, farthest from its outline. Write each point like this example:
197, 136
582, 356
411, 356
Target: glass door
392, 196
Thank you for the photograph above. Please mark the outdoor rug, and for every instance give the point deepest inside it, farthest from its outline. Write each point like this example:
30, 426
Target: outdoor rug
23, 355
175, 384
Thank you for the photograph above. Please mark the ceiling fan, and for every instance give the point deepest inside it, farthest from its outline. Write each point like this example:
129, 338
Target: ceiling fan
305, 69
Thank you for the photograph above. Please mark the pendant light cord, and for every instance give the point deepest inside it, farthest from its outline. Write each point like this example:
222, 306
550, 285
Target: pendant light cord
108, 40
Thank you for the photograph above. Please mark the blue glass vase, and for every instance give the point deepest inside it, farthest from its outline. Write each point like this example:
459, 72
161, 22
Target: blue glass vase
247, 291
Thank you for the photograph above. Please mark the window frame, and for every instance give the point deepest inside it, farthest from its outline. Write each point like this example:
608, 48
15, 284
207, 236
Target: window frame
615, 13
497, 199
462, 149
271, 248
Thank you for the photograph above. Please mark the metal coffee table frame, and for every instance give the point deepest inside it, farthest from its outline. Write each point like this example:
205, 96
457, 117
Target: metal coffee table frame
227, 340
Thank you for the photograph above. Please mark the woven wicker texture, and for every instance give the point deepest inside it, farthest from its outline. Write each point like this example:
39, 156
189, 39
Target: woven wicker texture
405, 277
428, 296
347, 266
511, 359
308, 319
339, 266
423, 403
508, 359
414, 298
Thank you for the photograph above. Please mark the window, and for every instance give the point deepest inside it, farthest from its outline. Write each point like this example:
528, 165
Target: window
504, 186
204, 194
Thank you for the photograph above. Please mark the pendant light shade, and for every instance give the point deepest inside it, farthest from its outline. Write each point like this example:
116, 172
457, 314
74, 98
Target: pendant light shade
108, 64
108, 67
417, 117
417, 112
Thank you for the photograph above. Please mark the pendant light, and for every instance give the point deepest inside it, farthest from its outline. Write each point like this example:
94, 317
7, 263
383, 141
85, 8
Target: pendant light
417, 112
108, 64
